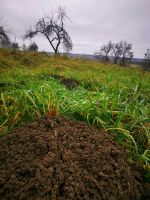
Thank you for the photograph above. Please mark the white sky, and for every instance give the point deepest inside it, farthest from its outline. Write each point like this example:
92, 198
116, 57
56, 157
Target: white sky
92, 22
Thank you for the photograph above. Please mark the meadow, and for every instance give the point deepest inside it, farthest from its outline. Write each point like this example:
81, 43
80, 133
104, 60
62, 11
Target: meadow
111, 97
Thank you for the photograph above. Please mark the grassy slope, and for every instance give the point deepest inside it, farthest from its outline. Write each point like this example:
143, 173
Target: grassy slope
110, 96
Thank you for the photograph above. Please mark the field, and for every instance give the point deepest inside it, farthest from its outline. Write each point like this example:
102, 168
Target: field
113, 98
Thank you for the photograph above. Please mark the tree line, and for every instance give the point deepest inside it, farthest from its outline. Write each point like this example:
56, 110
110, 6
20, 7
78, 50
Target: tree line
54, 31
119, 53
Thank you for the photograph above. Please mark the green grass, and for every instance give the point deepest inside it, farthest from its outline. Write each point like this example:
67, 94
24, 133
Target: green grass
111, 97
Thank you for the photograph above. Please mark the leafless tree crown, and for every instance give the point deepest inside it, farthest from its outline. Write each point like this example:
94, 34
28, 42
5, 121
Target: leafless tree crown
105, 51
52, 28
127, 53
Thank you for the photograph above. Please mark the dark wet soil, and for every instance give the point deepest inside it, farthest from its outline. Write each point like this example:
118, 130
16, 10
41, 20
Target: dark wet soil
67, 82
60, 159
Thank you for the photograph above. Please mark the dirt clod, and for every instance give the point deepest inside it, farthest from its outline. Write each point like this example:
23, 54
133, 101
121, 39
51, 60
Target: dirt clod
71, 161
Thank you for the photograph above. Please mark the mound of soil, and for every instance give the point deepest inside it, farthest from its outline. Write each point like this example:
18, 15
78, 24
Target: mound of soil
67, 82
56, 158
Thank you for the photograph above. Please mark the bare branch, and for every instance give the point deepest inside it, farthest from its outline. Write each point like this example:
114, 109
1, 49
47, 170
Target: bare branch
53, 30
4, 38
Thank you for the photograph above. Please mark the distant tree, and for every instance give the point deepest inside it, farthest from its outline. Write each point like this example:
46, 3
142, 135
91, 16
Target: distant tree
116, 52
4, 38
105, 51
52, 28
33, 47
147, 59
126, 53
15, 46
24, 47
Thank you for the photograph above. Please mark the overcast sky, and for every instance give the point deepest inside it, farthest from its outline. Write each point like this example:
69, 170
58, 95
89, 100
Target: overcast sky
92, 22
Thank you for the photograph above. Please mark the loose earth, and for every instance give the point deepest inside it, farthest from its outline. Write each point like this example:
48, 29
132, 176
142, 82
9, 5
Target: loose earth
61, 159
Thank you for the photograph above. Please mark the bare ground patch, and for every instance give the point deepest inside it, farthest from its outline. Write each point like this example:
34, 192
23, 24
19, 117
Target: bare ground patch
57, 158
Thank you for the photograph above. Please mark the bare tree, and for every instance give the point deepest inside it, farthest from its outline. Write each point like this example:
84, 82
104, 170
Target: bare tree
15, 46
52, 28
105, 51
116, 52
33, 47
147, 59
126, 53
4, 38
24, 47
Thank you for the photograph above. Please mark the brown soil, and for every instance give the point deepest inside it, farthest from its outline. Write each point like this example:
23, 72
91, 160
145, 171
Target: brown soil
56, 158
67, 82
